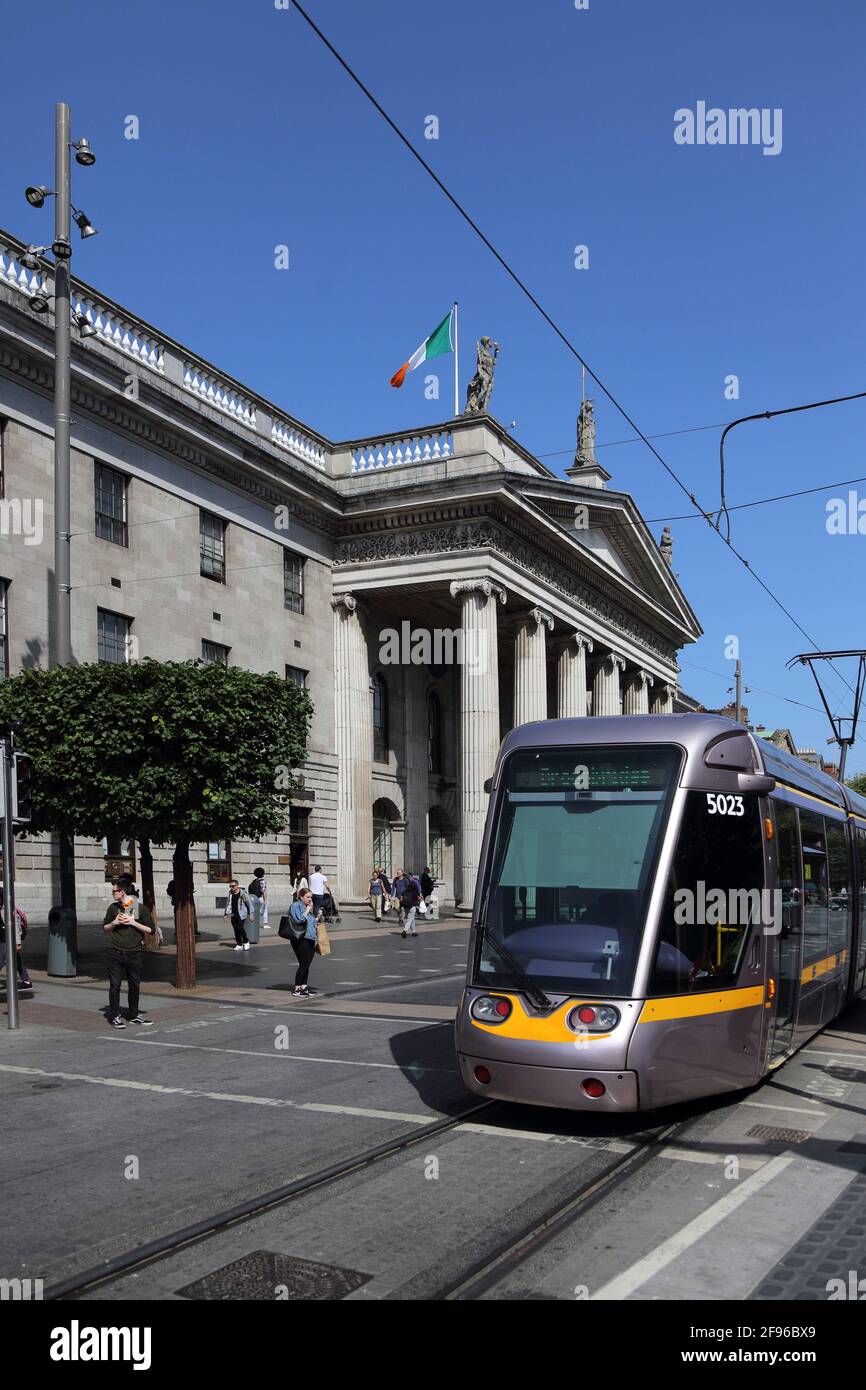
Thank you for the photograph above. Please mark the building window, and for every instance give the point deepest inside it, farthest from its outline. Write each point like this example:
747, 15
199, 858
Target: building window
4, 629
112, 637
297, 676
434, 734
293, 581
119, 857
219, 861
380, 720
109, 491
213, 654
382, 837
436, 838
212, 535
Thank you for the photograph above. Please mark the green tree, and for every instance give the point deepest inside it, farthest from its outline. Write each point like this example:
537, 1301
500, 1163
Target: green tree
166, 752
857, 783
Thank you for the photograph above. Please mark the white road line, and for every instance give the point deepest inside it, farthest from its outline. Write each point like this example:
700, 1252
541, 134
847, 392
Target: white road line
272, 1101
631, 1279
372, 955
280, 1056
831, 1056
430, 970
346, 982
392, 977
789, 1109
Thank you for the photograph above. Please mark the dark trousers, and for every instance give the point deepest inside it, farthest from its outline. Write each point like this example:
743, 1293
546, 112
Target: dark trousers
240, 930
123, 965
304, 950
318, 903
19, 960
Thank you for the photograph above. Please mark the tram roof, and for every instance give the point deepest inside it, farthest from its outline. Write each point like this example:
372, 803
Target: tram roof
691, 731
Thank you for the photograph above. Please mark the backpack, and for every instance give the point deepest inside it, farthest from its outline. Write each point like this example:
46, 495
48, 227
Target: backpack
256, 888
410, 896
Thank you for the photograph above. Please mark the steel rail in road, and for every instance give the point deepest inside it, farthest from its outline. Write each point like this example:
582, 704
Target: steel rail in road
165, 1246
491, 1269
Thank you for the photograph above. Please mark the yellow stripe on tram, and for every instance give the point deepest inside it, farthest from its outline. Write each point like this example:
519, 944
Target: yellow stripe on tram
822, 967
526, 1027
694, 1005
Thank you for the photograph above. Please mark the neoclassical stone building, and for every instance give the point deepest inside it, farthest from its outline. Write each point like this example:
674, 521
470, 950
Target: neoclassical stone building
431, 588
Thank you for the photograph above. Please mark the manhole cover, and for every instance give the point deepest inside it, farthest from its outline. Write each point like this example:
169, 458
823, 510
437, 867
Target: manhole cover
782, 1136
264, 1275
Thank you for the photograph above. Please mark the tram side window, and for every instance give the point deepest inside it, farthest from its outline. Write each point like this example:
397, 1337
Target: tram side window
839, 870
861, 950
714, 895
789, 869
816, 888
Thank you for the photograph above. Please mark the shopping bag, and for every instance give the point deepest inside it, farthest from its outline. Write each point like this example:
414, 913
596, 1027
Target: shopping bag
284, 929
323, 944
422, 908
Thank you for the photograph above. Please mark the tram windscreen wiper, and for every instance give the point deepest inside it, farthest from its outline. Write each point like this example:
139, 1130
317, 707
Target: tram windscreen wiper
520, 977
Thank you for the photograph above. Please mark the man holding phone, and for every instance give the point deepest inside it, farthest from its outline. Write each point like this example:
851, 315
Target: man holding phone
127, 923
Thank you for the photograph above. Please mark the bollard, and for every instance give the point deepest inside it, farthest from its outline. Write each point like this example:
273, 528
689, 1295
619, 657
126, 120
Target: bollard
62, 942
433, 907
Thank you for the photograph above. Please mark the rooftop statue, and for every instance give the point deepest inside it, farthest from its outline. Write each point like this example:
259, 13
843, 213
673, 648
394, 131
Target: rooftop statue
586, 435
480, 388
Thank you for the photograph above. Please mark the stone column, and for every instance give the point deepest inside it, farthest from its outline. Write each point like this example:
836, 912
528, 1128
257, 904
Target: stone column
530, 667
353, 721
605, 686
571, 677
479, 719
663, 699
637, 684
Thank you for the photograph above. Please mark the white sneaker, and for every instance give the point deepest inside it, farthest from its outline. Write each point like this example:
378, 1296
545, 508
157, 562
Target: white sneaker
239, 947
246, 945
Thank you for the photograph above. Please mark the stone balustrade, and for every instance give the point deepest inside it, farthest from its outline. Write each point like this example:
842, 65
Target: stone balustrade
410, 448
294, 441
119, 332
219, 394
14, 274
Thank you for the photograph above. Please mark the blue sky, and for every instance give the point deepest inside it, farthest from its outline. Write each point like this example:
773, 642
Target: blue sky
555, 129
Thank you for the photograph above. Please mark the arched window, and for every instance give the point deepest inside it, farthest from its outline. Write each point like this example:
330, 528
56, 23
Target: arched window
380, 720
434, 734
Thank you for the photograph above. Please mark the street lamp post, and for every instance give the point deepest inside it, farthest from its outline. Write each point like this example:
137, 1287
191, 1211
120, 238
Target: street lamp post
62, 393
61, 654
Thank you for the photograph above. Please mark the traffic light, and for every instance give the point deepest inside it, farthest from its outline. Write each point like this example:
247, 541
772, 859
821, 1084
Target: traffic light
22, 788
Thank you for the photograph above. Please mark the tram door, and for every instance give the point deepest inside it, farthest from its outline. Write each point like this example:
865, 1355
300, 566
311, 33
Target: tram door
790, 937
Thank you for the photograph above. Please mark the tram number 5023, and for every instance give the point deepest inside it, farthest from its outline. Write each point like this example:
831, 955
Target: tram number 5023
720, 805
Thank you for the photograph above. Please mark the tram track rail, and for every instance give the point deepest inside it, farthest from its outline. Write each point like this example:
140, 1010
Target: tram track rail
492, 1268
164, 1247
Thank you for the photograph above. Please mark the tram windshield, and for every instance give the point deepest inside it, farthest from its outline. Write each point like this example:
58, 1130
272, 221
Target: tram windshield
574, 854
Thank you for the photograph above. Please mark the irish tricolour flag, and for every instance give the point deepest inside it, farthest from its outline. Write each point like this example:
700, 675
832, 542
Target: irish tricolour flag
441, 340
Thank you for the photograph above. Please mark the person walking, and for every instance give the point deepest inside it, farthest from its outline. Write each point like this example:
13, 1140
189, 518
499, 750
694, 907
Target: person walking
398, 889
302, 921
318, 887
428, 884
20, 933
374, 892
127, 922
409, 900
239, 908
258, 891
299, 886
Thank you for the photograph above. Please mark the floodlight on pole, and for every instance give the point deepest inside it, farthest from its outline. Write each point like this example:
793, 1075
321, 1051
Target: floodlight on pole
39, 302
83, 223
32, 257
36, 195
83, 153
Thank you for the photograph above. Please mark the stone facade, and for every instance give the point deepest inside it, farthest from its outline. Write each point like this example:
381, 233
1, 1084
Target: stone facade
452, 536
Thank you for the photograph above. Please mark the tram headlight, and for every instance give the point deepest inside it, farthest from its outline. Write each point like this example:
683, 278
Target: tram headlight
490, 1009
593, 1018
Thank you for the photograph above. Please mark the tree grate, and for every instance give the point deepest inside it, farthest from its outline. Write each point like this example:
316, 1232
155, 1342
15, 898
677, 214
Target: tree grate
266, 1276
778, 1135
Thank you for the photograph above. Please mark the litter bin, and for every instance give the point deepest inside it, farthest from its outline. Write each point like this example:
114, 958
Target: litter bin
253, 922
62, 942
433, 907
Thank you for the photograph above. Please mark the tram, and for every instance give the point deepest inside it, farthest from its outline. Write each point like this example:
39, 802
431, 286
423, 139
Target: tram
666, 908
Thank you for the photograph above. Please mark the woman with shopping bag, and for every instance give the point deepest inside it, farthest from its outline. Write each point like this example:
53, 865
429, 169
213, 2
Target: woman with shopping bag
302, 929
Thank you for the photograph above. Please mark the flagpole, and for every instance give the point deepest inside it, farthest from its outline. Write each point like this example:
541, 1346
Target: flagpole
456, 369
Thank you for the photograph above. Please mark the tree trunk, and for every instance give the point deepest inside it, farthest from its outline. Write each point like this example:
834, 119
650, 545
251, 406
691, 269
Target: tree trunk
148, 897
184, 916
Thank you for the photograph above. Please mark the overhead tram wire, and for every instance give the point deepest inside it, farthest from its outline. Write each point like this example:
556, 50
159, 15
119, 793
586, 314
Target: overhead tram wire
512, 274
